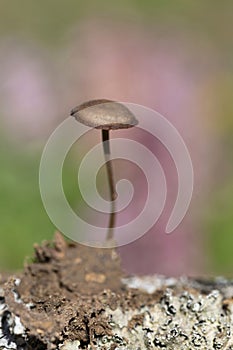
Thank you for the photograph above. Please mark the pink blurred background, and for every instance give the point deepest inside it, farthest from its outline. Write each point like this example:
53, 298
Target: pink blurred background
158, 65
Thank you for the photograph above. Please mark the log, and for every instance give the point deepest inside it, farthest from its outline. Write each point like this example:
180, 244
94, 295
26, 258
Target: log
75, 297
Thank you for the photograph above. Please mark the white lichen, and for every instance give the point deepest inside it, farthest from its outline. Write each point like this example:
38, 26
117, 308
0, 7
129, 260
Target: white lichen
70, 345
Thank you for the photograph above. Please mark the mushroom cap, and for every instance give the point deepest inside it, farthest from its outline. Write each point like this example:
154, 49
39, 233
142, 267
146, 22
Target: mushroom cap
104, 114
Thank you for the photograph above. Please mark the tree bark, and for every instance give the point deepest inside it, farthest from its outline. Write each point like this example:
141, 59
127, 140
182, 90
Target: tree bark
74, 297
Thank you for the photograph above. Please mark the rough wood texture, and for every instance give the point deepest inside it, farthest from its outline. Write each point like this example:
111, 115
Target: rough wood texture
74, 297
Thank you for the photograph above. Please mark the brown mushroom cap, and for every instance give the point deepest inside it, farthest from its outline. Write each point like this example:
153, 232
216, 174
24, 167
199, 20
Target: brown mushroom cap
104, 114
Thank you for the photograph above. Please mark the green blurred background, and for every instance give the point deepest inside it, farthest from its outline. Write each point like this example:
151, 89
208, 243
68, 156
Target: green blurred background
50, 61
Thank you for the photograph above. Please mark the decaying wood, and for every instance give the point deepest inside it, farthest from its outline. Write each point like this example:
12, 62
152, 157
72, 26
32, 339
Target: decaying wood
73, 297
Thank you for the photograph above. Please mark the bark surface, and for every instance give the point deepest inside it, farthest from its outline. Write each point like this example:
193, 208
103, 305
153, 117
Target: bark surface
74, 297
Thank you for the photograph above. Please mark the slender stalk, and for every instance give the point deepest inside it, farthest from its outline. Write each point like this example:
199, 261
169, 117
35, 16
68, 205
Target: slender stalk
113, 194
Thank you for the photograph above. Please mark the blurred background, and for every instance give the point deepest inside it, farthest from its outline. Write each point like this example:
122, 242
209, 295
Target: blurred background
174, 57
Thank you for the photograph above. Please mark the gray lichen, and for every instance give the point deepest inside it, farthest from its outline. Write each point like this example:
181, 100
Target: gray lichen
183, 320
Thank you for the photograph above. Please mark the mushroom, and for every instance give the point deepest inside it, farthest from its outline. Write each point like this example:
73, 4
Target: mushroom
106, 115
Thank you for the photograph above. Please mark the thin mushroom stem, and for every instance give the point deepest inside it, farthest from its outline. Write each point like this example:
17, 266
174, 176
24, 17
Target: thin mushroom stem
113, 194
